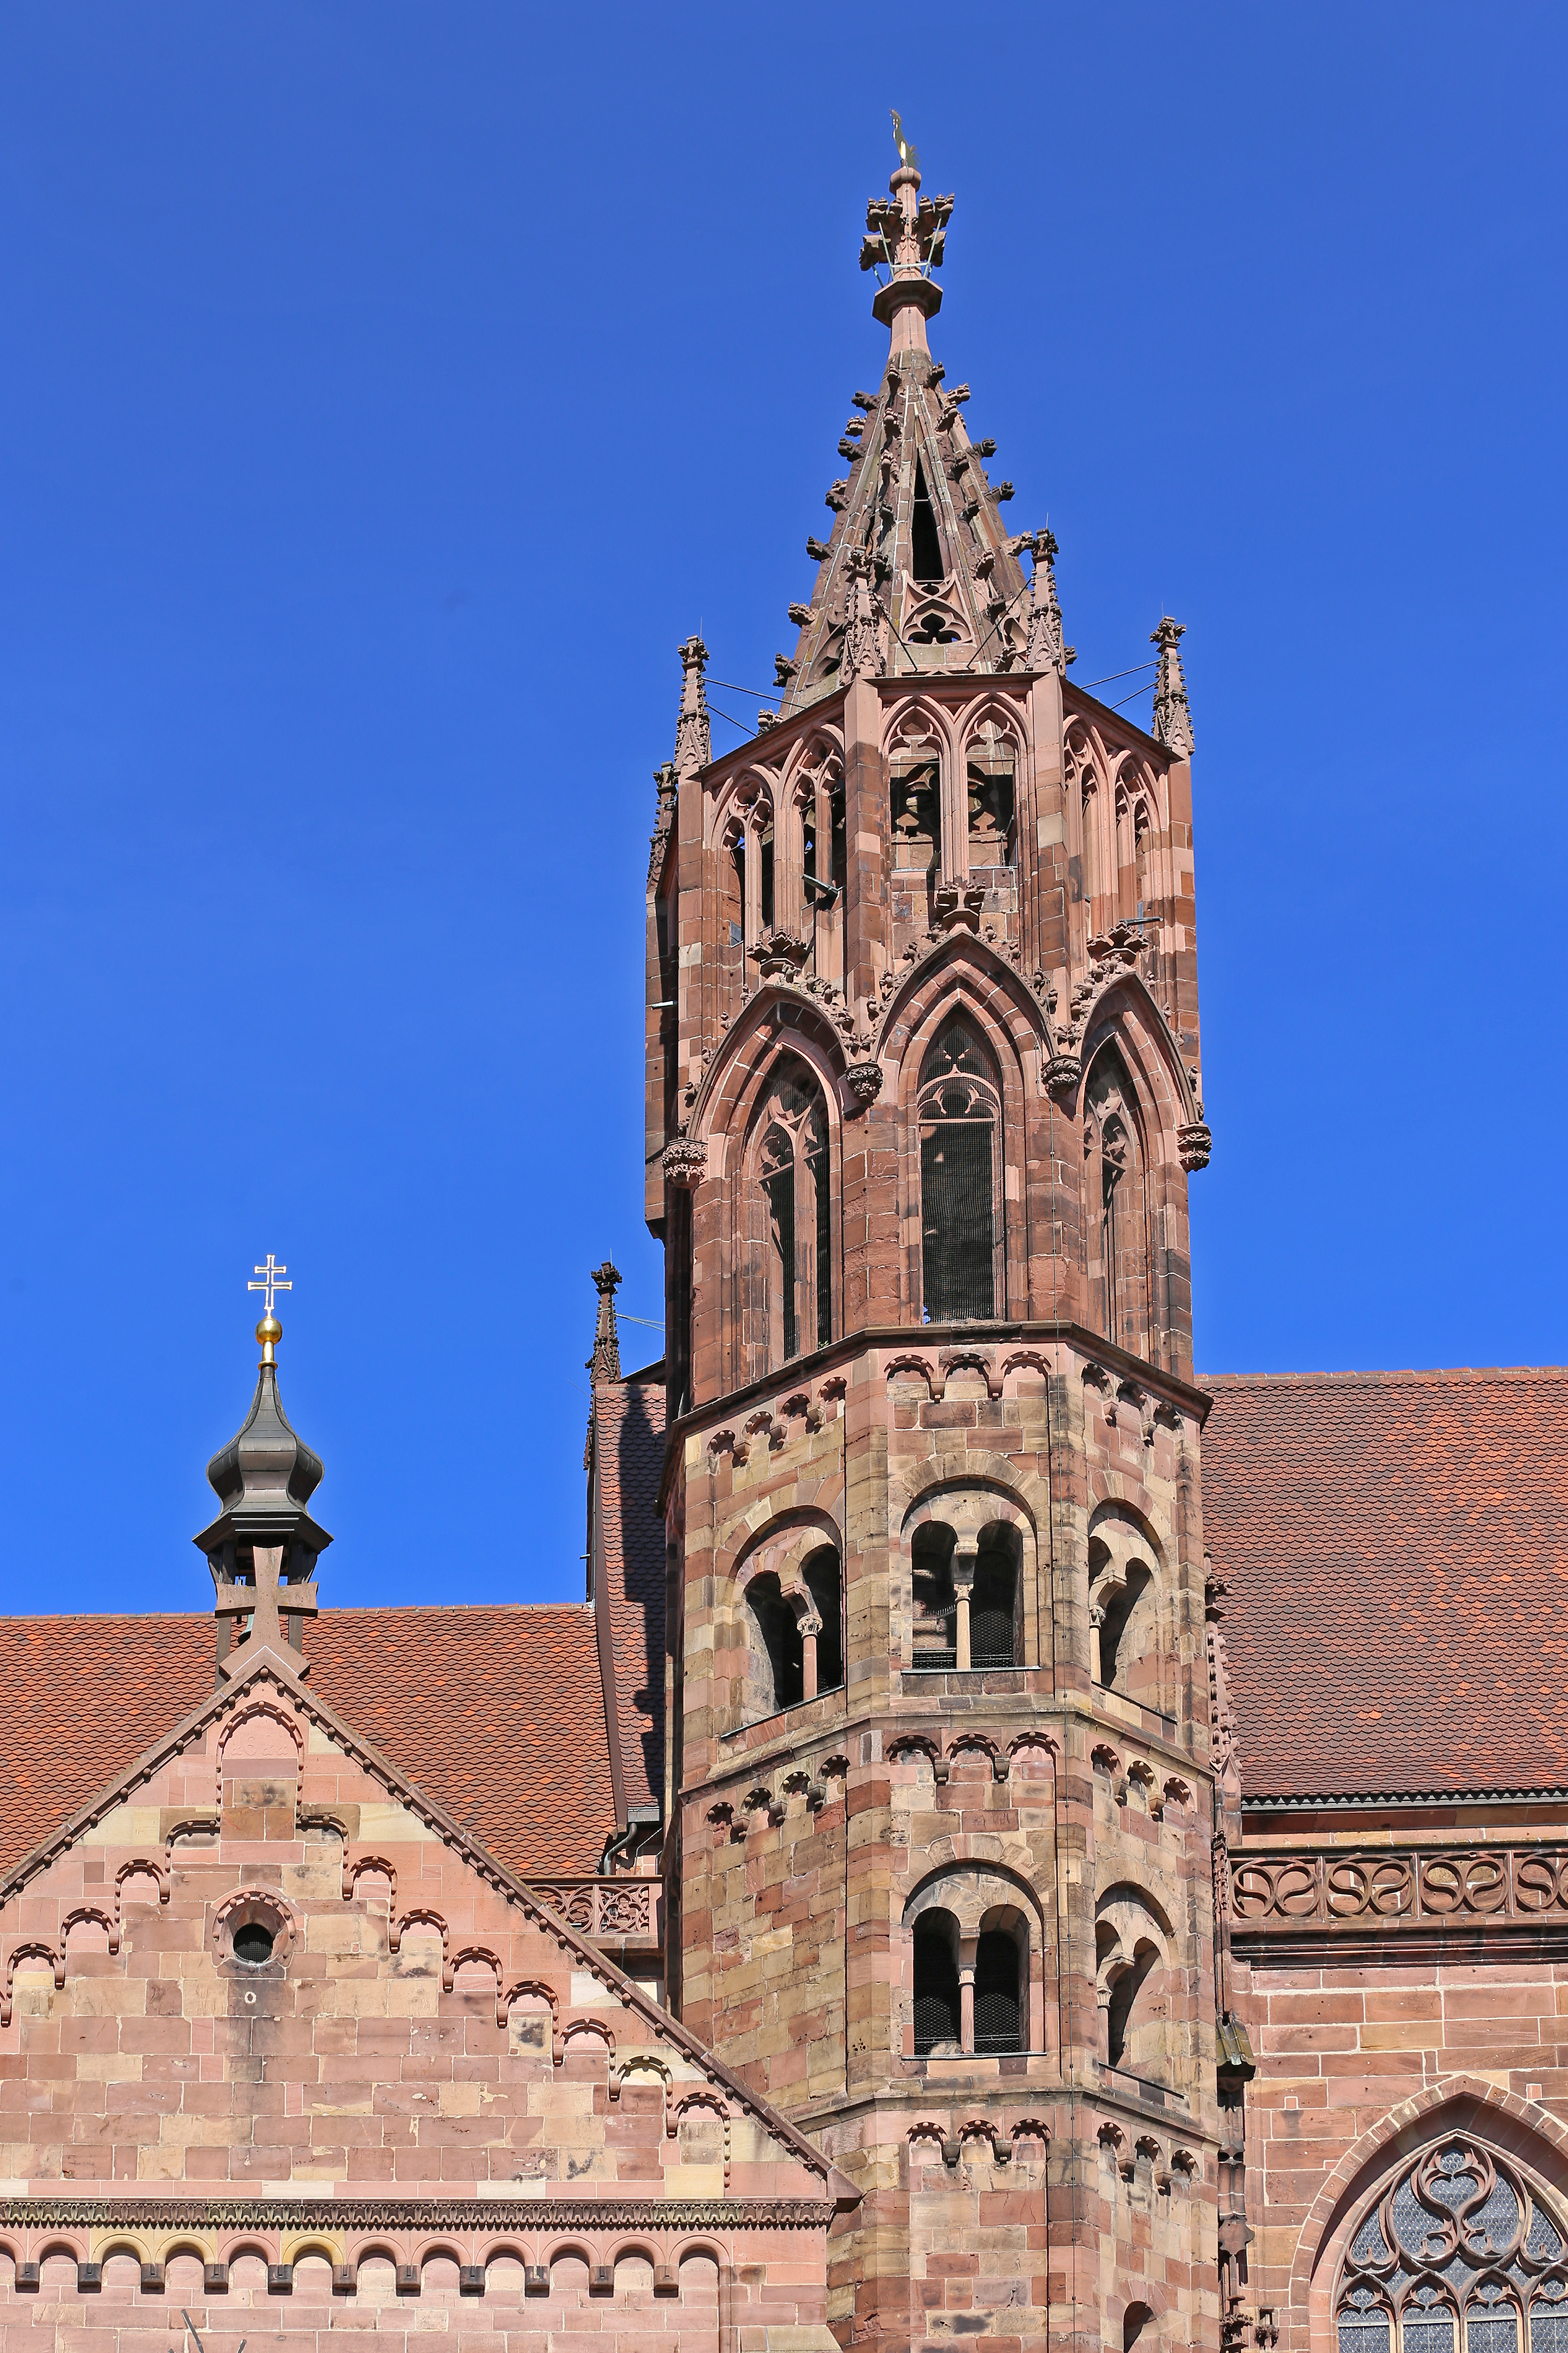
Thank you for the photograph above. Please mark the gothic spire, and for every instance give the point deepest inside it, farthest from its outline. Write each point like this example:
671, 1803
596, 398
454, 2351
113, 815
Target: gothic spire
1172, 721
604, 1364
693, 747
263, 1546
918, 542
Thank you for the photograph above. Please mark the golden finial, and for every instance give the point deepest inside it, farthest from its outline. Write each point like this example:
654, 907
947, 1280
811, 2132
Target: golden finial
270, 1331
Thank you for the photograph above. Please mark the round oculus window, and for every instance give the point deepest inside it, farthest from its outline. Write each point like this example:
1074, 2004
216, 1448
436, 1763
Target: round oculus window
253, 1942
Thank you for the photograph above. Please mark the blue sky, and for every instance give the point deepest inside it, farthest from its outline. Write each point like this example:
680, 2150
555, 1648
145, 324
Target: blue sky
386, 390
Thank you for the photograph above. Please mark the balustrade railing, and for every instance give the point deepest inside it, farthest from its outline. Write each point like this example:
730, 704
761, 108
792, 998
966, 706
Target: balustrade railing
614, 1909
1392, 1887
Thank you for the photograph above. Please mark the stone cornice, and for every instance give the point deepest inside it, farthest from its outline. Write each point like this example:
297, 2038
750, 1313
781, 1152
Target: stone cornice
927, 1338
138, 2212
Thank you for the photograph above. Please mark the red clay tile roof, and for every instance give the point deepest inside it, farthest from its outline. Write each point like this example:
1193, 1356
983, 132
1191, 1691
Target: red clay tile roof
497, 1714
631, 1435
1396, 1546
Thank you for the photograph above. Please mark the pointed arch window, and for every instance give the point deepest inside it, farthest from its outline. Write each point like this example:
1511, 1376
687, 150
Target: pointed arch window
959, 1116
791, 1194
1116, 1209
916, 787
1457, 2255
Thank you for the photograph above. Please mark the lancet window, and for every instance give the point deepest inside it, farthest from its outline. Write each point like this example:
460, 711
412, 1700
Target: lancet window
959, 1115
1143, 854
819, 801
731, 908
1457, 2255
1116, 1208
792, 1274
917, 810
992, 819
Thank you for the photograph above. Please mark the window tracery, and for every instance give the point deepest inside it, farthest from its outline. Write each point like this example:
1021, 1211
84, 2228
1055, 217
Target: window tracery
958, 1109
1458, 2240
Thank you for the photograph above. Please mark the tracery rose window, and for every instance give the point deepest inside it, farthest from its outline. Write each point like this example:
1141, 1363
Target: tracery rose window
1458, 2243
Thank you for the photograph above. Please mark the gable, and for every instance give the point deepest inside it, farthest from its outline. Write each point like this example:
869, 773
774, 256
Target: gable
421, 2020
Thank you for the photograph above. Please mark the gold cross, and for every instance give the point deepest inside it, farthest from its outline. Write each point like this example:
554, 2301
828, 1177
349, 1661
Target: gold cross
270, 1273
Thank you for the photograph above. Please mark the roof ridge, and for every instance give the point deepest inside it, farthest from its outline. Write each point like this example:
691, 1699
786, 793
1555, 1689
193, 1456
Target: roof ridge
343, 1609
1375, 1377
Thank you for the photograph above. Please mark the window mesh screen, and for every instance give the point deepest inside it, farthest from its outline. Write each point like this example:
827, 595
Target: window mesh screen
992, 1639
936, 1990
996, 2006
1491, 2333
1430, 2332
1363, 2335
1548, 2332
955, 1200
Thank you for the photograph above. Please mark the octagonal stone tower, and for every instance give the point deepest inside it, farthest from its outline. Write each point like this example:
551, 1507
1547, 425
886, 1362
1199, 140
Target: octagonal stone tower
923, 1097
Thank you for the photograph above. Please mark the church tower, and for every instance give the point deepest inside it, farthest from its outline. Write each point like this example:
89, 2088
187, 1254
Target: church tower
923, 1099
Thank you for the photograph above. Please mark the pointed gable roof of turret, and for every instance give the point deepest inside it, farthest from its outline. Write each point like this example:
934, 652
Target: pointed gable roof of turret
919, 538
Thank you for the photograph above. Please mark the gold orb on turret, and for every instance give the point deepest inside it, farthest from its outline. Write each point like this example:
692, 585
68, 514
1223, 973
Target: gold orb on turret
270, 1331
